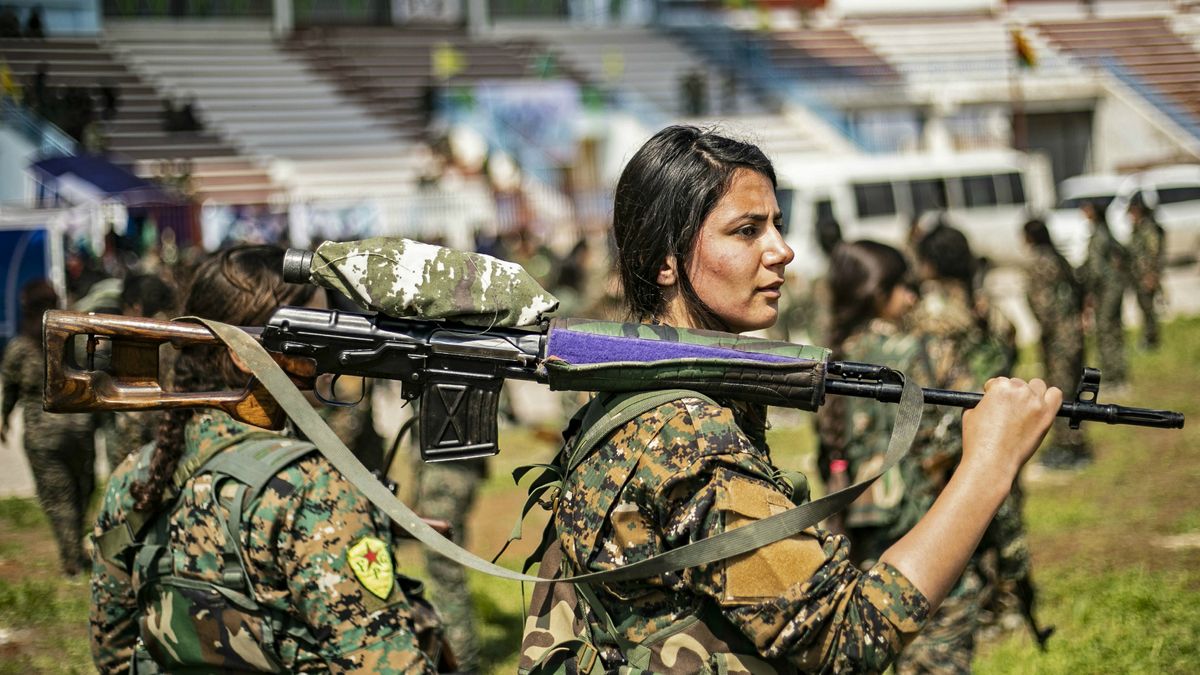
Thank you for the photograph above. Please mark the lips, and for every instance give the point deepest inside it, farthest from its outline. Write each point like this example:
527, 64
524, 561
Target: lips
771, 290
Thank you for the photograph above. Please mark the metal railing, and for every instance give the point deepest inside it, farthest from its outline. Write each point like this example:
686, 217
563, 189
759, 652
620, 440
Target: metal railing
49, 139
749, 57
1172, 110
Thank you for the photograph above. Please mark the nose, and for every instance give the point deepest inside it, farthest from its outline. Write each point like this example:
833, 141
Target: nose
777, 252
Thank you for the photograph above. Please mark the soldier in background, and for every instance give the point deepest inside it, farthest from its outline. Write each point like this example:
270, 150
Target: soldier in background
1057, 303
1104, 276
280, 565
60, 448
1147, 255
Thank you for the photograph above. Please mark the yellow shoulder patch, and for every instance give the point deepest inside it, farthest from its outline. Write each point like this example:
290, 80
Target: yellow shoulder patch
372, 564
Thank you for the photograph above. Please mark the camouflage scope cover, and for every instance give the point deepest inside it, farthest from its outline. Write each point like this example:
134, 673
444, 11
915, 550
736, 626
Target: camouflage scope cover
408, 279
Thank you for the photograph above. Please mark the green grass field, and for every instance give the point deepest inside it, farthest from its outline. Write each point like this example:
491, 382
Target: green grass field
1116, 568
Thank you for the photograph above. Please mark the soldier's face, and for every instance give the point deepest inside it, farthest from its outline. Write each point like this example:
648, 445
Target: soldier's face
737, 264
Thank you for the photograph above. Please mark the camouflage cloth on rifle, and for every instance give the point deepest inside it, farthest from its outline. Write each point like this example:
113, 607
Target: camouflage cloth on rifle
1105, 276
60, 449
1147, 258
1057, 304
316, 556
686, 471
405, 278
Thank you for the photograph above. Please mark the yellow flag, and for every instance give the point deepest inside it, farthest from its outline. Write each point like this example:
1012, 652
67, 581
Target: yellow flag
372, 564
447, 61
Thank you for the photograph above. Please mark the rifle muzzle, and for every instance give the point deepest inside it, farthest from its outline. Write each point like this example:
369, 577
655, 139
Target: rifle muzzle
296, 265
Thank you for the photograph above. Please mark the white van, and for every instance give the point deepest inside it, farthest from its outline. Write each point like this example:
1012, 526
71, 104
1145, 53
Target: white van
1173, 192
988, 195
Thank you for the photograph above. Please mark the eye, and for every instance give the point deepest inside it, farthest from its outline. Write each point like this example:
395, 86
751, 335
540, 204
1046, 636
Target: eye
748, 230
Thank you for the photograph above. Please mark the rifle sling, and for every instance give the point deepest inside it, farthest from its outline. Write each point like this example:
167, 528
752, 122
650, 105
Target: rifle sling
712, 549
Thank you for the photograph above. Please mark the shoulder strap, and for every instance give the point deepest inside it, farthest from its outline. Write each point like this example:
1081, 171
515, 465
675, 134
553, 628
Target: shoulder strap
254, 462
607, 413
719, 547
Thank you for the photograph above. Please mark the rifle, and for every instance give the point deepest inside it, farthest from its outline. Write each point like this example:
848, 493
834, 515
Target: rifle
457, 370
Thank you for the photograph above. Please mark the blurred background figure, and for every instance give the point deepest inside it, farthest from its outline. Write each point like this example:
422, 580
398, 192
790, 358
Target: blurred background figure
60, 448
1147, 257
1056, 300
1104, 276
970, 342
873, 298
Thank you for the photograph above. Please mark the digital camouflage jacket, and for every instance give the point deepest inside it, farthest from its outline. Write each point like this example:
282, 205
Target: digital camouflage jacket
315, 554
686, 471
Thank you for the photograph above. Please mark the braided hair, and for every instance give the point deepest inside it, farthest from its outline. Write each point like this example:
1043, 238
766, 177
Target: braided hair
243, 286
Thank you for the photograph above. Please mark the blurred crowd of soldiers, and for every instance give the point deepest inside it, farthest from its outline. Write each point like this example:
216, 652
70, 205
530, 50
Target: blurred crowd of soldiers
932, 320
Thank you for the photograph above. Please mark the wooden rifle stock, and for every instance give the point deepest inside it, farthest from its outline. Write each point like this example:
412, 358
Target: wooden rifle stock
132, 378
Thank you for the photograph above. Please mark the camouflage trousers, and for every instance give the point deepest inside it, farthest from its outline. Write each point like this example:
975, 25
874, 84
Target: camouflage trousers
1062, 359
447, 491
946, 644
63, 466
1146, 303
1110, 334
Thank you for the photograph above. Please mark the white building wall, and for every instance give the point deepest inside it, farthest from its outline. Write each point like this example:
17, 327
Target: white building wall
15, 155
1126, 138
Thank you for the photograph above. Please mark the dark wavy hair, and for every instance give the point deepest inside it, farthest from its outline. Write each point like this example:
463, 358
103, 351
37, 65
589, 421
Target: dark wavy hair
243, 286
665, 192
862, 275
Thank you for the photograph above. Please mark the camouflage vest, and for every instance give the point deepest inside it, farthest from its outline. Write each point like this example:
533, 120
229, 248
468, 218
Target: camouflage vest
567, 629
212, 626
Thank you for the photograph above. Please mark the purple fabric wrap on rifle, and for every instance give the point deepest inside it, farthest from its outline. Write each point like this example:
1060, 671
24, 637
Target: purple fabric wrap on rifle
606, 356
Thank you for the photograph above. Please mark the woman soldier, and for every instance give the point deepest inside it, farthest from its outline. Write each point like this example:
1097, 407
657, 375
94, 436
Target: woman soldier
697, 229
60, 448
225, 547
1056, 299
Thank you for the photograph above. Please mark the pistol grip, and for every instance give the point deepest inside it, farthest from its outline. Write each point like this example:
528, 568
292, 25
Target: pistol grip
458, 417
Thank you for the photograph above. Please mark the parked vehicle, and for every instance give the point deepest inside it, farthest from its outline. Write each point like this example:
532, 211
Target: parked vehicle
1173, 192
986, 194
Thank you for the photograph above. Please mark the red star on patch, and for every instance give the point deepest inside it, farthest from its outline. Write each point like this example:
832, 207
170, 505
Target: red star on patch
371, 556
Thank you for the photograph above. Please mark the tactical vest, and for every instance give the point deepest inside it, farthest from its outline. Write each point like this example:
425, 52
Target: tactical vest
568, 630
187, 623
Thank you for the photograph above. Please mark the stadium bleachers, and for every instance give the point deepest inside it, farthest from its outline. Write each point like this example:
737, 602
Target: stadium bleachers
651, 65
1149, 48
267, 103
387, 70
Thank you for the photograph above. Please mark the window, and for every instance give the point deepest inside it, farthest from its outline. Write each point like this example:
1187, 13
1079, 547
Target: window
822, 210
1175, 195
874, 199
928, 195
1102, 202
1016, 188
979, 191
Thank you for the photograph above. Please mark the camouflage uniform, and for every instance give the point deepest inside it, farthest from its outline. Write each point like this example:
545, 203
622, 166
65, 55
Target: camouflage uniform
446, 491
689, 470
1146, 254
297, 540
964, 356
60, 449
1104, 275
861, 429
1056, 302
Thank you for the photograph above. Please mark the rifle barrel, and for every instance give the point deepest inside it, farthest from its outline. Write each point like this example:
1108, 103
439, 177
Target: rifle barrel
889, 392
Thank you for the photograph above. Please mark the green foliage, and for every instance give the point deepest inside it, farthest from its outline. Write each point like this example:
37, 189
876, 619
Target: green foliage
21, 514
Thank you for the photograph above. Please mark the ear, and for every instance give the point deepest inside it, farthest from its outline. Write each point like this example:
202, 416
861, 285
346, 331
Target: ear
666, 274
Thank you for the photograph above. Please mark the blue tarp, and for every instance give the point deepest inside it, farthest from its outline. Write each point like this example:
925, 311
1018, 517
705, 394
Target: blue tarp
109, 179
